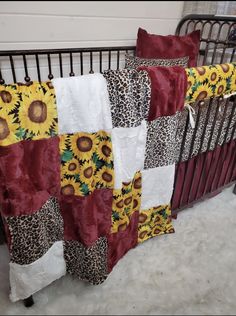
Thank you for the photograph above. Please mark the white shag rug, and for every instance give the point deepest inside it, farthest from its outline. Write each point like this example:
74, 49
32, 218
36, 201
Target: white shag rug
191, 272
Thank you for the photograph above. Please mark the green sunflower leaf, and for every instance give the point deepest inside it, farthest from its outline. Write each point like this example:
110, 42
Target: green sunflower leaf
84, 189
20, 133
115, 216
67, 155
76, 176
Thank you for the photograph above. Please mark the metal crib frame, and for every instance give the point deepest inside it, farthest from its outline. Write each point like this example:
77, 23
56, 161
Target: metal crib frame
211, 28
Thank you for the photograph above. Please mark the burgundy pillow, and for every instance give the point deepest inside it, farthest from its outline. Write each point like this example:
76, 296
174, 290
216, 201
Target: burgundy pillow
170, 46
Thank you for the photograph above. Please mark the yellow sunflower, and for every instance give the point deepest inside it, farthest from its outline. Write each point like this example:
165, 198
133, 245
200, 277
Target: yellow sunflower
64, 142
122, 224
47, 85
225, 70
104, 151
87, 171
38, 113
143, 233
137, 183
7, 129
8, 98
202, 73
144, 217
71, 167
157, 230
105, 177
91, 185
27, 88
202, 92
233, 82
82, 145
70, 187
214, 76
136, 202
220, 88
190, 82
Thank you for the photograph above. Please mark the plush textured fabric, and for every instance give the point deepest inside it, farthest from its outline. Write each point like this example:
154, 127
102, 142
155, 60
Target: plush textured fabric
170, 46
129, 152
157, 186
29, 174
133, 62
168, 85
122, 241
27, 279
83, 104
32, 235
87, 218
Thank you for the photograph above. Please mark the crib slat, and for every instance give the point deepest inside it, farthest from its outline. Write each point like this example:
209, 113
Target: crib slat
118, 60
109, 60
81, 64
50, 75
71, 66
60, 65
12, 68
100, 61
2, 81
38, 67
27, 78
91, 63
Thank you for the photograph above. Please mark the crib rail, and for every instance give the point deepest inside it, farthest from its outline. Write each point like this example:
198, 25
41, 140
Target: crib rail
16, 65
218, 39
217, 46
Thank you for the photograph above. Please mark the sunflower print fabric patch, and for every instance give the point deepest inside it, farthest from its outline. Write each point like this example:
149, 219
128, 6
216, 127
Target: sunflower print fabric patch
86, 163
209, 81
154, 222
27, 111
125, 202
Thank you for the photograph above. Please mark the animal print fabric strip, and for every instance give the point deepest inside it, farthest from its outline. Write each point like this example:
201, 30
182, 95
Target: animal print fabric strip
33, 235
87, 263
207, 114
132, 62
161, 145
130, 95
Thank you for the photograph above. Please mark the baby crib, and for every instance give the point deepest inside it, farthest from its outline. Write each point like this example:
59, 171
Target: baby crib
202, 169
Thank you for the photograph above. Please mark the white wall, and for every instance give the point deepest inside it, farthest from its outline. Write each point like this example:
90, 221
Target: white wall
56, 24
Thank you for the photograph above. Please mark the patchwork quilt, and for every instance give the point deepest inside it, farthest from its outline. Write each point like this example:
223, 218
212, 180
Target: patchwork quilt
84, 176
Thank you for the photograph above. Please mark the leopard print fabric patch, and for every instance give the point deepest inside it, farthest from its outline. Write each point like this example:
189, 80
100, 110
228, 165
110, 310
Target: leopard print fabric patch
161, 145
221, 134
133, 62
130, 95
33, 235
87, 263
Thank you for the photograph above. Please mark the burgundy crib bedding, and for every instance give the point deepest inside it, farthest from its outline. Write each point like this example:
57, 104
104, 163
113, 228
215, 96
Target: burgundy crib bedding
77, 200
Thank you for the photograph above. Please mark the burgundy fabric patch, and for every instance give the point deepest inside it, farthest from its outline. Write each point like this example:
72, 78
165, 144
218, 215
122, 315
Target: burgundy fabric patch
204, 174
168, 90
170, 46
29, 175
87, 218
121, 242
